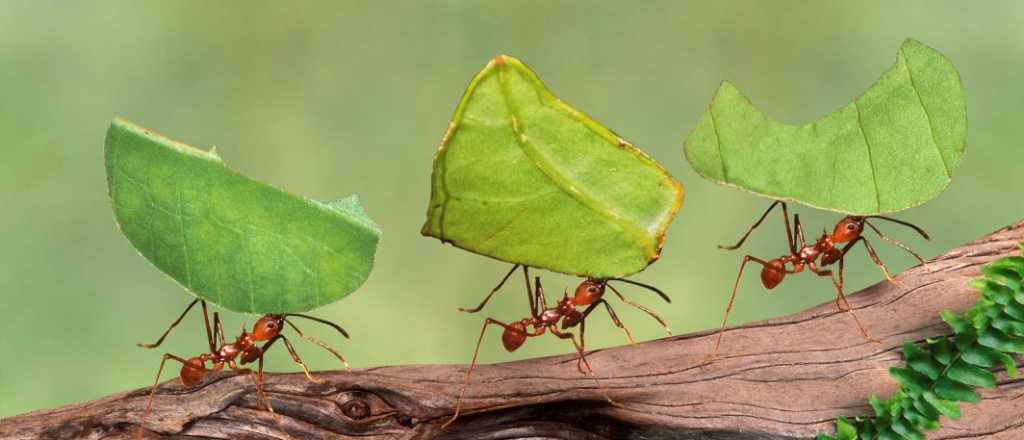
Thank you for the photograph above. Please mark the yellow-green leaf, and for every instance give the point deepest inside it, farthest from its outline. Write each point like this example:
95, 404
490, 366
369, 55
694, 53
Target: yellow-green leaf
233, 241
894, 147
522, 177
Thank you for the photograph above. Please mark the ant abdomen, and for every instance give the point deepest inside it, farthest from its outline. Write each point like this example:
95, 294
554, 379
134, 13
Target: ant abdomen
514, 336
193, 371
772, 274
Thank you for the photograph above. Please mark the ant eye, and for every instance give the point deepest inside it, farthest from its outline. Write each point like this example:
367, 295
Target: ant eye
592, 289
851, 226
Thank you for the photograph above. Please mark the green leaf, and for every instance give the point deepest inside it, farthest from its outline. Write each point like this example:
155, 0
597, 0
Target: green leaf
1007, 277
522, 177
919, 420
908, 432
981, 356
1009, 325
888, 434
956, 322
920, 361
926, 409
947, 408
971, 375
854, 160
993, 338
913, 382
942, 351
844, 430
233, 241
877, 405
1015, 263
955, 391
1015, 310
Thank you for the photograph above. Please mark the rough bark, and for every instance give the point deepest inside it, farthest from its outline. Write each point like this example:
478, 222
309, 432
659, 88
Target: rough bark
782, 378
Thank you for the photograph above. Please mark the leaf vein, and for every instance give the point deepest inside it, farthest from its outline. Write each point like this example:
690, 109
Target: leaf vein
556, 177
871, 161
927, 116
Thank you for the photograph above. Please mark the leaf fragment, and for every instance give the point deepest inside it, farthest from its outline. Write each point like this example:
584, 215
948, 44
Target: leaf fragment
892, 148
522, 177
235, 242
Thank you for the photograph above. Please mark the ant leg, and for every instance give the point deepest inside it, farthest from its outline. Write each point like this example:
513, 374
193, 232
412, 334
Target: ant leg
785, 216
159, 371
294, 355
218, 331
872, 254
493, 291
583, 358
174, 324
540, 301
878, 261
583, 346
323, 345
261, 396
798, 234
841, 301
642, 308
611, 313
732, 299
472, 365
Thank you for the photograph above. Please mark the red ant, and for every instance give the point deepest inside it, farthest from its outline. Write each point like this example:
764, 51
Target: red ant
267, 328
813, 257
563, 314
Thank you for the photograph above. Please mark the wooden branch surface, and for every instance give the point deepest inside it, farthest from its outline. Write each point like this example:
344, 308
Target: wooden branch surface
783, 378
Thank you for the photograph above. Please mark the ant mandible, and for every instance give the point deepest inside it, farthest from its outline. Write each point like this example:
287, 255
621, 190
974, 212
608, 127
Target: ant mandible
268, 328
823, 252
545, 319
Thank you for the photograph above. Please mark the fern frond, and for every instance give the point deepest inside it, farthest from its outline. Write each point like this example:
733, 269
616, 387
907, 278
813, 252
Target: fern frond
941, 373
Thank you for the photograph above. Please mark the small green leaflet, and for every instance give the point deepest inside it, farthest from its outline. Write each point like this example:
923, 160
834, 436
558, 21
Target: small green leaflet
228, 239
892, 148
522, 177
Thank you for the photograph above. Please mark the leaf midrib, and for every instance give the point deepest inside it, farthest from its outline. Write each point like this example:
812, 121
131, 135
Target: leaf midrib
558, 179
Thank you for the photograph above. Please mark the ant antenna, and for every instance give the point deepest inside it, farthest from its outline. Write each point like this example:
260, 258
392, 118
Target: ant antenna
322, 321
895, 242
320, 343
656, 290
901, 222
643, 309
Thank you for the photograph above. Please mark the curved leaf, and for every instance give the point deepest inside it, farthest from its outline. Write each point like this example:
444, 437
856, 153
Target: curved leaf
233, 241
892, 148
522, 177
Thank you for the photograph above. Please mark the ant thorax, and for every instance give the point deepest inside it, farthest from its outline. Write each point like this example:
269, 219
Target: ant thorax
551, 316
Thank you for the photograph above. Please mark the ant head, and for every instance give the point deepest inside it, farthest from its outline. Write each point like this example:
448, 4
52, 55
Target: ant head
267, 327
588, 292
848, 229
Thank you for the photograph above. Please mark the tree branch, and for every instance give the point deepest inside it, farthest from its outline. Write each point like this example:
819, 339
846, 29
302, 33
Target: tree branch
782, 378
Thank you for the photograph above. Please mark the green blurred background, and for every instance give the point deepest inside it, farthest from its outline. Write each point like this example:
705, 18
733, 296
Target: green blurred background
326, 99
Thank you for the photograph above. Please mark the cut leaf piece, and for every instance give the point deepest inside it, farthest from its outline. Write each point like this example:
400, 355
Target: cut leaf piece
522, 177
892, 148
228, 239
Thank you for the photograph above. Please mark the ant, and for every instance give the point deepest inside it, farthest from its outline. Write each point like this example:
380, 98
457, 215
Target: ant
813, 257
268, 328
563, 314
